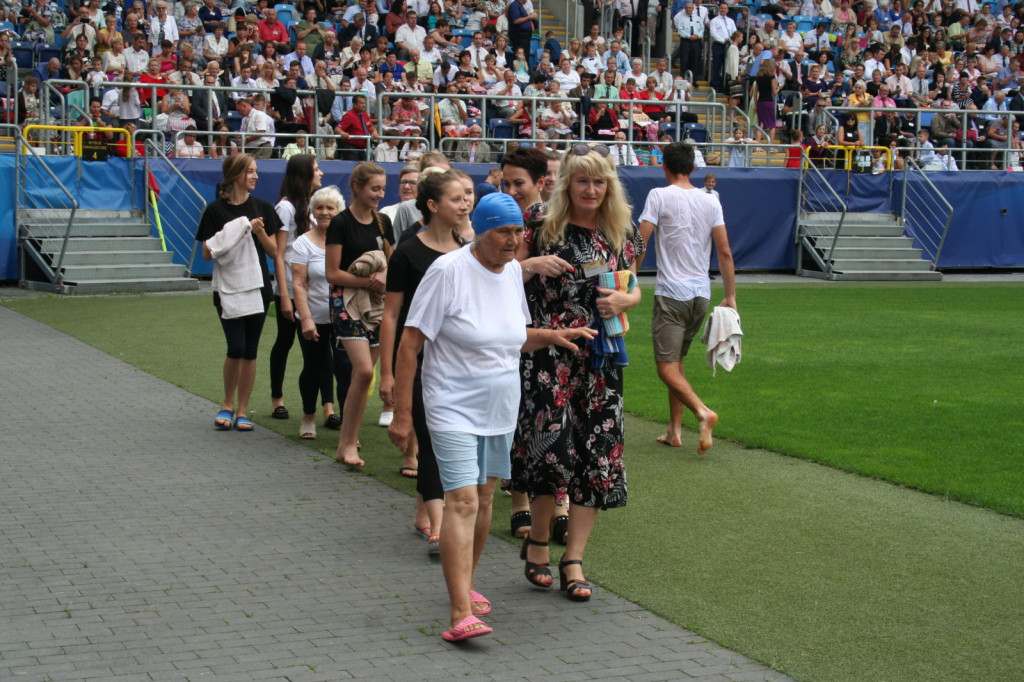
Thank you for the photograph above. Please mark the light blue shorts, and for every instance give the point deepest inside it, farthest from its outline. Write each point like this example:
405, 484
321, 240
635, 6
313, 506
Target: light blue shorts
465, 459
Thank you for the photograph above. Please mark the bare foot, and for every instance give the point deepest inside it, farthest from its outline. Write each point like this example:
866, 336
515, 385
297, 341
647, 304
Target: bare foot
706, 424
671, 441
349, 456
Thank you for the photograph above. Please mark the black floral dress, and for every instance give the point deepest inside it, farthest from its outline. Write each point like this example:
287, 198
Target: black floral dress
569, 435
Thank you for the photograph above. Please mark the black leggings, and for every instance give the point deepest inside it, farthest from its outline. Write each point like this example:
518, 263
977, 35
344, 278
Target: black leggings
242, 333
279, 353
428, 478
317, 368
342, 372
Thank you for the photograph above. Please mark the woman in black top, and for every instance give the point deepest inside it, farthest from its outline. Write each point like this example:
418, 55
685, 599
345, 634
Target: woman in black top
444, 204
241, 331
355, 231
766, 87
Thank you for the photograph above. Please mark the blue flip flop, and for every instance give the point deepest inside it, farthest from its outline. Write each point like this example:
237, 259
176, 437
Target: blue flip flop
243, 424
223, 420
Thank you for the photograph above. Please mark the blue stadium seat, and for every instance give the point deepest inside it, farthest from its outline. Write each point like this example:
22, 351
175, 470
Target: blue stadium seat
286, 13
472, 121
501, 128
233, 119
46, 51
465, 34
23, 54
668, 128
695, 131
8, 26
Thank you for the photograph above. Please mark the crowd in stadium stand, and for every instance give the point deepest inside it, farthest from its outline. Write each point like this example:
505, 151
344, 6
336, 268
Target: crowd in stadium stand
794, 66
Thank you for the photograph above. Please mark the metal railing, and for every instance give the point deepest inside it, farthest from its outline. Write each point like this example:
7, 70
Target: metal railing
816, 195
35, 183
926, 213
188, 203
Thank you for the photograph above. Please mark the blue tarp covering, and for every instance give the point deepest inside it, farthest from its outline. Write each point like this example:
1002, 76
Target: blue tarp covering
986, 231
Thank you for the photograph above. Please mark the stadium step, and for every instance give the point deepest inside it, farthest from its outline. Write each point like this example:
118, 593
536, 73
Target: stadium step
106, 251
6, 144
870, 247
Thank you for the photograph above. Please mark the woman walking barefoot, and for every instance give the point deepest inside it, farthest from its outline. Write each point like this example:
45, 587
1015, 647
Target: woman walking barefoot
357, 230
241, 279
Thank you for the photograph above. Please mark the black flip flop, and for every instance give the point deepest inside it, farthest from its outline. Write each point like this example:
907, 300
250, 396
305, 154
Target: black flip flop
280, 412
405, 471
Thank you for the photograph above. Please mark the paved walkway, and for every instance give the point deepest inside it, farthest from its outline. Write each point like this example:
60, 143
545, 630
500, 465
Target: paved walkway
135, 544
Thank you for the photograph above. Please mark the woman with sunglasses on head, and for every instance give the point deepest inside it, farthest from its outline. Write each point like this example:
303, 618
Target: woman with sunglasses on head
469, 317
569, 436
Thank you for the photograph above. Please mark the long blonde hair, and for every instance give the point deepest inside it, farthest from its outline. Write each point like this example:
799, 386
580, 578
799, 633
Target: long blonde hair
614, 216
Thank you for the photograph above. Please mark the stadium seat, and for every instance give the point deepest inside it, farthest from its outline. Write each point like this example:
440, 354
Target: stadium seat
46, 51
23, 54
233, 119
465, 34
8, 26
501, 128
695, 131
668, 128
286, 13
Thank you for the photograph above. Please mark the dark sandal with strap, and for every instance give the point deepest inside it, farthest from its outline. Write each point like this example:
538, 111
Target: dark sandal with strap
573, 588
560, 528
534, 571
520, 522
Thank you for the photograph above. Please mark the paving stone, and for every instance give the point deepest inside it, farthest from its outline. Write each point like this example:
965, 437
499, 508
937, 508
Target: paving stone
183, 553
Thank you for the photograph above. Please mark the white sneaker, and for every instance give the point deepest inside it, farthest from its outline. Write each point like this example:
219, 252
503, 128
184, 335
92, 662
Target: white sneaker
385, 419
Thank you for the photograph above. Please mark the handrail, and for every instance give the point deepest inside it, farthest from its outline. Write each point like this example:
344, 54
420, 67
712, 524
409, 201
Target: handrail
155, 150
911, 221
810, 172
912, 152
78, 132
21, 146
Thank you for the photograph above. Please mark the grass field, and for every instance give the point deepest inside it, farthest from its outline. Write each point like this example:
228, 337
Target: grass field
916, 385
820, 573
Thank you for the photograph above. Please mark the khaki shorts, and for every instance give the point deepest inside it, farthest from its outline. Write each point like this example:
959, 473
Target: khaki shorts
674, 324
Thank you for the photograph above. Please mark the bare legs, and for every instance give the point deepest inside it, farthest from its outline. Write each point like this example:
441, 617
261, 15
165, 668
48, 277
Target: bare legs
672, 374
363, 358
581, 523
239, 375
674, 435
467, 523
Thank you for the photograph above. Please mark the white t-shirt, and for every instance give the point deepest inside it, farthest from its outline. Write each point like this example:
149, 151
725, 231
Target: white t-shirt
286, 212
475, 323
305, 252
683, 220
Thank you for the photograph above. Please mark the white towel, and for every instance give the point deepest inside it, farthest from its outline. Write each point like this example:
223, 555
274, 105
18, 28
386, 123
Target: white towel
237, 276
724, 338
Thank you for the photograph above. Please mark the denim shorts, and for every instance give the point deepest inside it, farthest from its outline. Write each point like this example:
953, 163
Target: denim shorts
465, 459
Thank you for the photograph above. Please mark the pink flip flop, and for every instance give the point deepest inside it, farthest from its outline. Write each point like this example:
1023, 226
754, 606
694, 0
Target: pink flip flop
461, 632
475, 599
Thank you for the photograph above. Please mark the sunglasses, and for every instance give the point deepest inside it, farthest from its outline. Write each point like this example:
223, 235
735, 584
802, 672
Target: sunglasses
584, 149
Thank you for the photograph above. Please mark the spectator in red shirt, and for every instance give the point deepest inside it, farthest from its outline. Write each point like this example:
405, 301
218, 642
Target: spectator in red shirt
272, 29
152, 75
355, 122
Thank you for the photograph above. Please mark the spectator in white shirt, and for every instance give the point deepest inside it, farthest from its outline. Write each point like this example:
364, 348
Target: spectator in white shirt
622, 154
566, 78
243, 85
509, 92
162, 27
188, 147
409, 35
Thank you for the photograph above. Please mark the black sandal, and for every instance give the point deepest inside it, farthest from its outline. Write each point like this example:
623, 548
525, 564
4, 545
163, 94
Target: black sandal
534, 571
521, 521
560, 529
572, 588
280, 412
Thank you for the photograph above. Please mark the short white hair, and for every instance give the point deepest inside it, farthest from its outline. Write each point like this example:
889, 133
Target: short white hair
327, 195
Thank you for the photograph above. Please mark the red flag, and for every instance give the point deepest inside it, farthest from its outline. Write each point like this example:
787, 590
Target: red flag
151, 181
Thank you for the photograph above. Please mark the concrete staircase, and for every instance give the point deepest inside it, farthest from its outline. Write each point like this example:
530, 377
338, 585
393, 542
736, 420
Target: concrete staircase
107, 251
870, 247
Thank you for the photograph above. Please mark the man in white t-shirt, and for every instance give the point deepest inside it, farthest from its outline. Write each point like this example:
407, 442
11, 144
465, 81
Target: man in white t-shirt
685, 221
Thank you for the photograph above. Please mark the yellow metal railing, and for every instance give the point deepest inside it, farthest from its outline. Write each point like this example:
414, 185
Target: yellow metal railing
79, 132
848, 154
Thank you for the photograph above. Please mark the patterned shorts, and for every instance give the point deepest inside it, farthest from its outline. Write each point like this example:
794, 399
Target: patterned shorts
345, 327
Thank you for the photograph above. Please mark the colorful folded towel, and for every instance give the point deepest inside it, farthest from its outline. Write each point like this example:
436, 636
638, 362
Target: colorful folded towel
624, 281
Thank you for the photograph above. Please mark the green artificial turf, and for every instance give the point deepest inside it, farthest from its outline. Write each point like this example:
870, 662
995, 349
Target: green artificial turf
918, 385
820, 573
